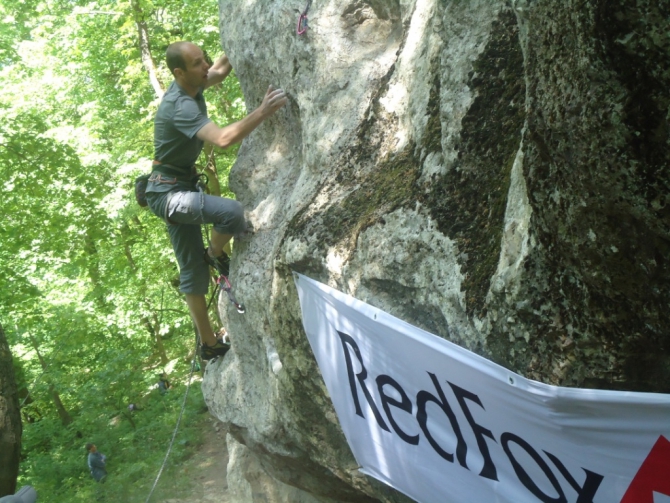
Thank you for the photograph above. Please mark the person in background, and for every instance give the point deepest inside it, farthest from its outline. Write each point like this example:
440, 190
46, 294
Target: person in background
97, 463
163, 384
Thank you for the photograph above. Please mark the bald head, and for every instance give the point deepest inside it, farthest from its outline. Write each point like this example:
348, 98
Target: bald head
188, 65
174, 55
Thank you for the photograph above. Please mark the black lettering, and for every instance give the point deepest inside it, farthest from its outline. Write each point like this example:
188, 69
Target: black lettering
405, 405
489, 469
361, 376
591, 484
422, 397
525, 479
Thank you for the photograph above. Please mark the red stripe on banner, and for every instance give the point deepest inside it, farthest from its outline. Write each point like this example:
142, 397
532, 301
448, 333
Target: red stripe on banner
652, 476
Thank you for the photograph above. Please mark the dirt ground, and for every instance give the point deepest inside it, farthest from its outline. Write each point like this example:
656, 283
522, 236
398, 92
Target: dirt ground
208, 465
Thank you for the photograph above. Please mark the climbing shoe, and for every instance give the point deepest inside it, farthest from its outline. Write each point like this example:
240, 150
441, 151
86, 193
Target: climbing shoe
218, 349
221, 264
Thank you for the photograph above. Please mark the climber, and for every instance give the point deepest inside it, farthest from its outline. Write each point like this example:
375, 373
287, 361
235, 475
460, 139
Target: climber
181, 127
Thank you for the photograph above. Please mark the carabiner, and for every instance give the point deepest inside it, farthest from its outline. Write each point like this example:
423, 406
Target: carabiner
302, 24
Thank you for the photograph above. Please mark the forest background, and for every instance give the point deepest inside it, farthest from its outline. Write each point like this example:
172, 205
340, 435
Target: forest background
88, 284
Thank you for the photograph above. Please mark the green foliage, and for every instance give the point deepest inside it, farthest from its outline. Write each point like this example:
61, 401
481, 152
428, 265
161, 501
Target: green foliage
85, 274
134, 443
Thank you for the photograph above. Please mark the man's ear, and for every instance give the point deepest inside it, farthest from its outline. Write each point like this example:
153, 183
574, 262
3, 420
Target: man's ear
178, 72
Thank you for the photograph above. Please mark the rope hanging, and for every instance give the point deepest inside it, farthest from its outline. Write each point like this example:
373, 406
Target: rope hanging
176, 428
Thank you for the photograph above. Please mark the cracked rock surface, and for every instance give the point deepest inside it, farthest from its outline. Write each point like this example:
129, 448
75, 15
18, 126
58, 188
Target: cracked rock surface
494, 172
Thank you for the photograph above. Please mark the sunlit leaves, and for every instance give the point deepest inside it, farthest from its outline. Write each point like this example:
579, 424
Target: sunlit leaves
84, 272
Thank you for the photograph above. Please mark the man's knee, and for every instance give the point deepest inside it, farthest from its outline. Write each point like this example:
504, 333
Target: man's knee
238, 218
230, 218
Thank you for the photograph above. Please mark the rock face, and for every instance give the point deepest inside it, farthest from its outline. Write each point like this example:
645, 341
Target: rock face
497, 173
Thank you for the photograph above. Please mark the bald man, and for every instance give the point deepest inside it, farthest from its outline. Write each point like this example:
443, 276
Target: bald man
181, 127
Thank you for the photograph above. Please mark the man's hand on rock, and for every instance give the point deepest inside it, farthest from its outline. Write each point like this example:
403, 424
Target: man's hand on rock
273, 101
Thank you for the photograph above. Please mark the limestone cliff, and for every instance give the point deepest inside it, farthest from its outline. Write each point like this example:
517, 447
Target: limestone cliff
494, 172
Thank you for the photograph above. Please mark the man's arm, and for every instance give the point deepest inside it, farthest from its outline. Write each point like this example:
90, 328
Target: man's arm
237, 131
219, 71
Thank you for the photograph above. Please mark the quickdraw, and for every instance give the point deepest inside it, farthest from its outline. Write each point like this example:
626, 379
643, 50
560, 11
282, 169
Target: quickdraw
224, 284
302, 20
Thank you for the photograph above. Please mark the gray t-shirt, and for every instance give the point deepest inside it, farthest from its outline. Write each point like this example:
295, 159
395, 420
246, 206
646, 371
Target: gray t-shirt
178, 119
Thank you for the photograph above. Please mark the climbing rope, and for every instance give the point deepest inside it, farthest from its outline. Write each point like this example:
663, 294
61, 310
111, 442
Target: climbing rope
302, 20
176, 428
240, 309
32, 387
223, 284
216, 288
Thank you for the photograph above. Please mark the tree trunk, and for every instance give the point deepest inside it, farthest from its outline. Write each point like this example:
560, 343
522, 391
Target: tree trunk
64, 415
152, 327
93, 268
145, 49
154, 330
10, 421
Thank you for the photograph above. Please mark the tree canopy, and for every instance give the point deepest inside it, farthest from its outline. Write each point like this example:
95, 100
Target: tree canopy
88, 295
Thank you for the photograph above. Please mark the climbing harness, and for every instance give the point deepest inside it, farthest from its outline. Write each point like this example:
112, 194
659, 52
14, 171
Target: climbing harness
302, 20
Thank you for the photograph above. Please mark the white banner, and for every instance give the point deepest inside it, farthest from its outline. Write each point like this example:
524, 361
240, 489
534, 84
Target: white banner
444, 425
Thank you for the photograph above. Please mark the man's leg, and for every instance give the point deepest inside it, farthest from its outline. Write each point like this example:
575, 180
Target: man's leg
194, 276
197, 306
190, 210
227, 219
219, 243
